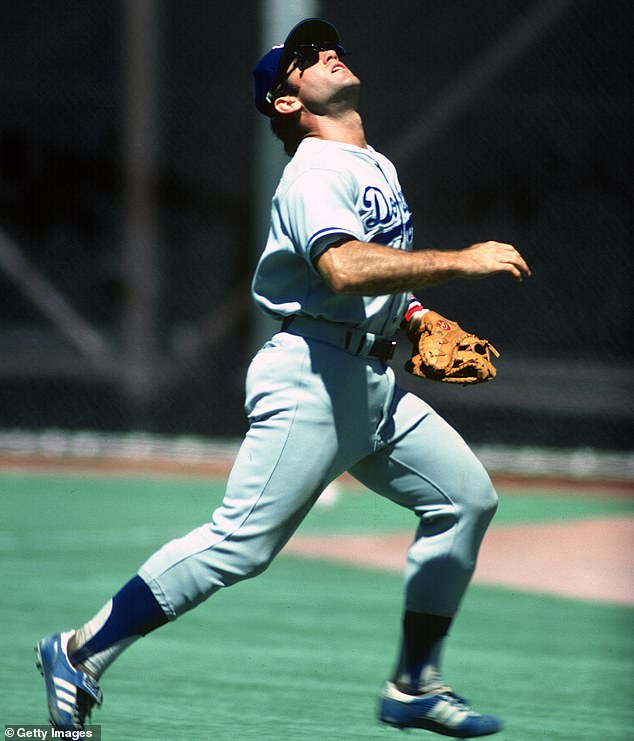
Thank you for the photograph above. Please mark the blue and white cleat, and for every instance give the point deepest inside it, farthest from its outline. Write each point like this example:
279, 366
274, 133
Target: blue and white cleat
71, 693
440, 711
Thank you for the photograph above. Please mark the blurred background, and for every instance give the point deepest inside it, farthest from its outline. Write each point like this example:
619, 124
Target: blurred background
136, 178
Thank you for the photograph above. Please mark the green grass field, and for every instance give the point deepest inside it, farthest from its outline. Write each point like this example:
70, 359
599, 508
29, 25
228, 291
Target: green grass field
300, 652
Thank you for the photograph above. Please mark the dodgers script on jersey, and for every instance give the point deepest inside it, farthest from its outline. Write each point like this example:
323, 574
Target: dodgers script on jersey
327, 191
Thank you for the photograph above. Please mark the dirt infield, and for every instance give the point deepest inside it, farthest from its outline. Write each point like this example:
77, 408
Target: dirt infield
589, 559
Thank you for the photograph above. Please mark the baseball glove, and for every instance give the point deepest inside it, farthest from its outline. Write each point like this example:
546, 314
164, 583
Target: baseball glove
443, 351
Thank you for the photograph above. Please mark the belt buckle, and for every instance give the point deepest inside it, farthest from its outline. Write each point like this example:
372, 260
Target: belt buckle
383, 350
390, 349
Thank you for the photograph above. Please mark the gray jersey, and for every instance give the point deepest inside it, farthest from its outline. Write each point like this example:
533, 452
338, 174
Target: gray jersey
327, 191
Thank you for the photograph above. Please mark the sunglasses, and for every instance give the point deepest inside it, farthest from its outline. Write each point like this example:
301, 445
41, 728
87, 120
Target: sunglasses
306, 55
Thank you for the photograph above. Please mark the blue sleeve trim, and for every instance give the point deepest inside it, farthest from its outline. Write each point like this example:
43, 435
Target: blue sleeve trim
318, 244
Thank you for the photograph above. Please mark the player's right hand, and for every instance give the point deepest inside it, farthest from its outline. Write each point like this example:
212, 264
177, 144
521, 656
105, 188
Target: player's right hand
488, 258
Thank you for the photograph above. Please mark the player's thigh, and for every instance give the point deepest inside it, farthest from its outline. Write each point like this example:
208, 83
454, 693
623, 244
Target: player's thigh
295, 444
427, 467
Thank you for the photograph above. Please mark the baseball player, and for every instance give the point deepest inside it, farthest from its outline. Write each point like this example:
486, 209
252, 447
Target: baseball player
321, 399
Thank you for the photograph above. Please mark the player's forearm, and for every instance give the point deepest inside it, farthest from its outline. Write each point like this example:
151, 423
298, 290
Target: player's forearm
372, 269
369, 269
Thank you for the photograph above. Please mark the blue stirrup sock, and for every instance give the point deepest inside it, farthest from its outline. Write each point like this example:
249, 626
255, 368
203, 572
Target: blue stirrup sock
133, 612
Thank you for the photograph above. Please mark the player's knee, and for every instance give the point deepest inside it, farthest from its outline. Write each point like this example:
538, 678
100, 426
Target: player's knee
257, 563
488, 498
481, 501
259, 567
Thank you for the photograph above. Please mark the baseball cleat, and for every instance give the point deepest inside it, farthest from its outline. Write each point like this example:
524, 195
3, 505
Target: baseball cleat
440, 711
70, 693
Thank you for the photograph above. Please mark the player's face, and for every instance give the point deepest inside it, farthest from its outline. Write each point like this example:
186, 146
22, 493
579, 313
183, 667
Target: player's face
326, 83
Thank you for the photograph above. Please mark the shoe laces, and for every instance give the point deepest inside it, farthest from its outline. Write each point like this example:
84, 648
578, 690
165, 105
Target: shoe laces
455, 699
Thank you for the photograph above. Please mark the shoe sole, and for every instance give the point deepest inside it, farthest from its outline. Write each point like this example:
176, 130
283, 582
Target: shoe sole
38, 660
39, 666
425, 726
434, 727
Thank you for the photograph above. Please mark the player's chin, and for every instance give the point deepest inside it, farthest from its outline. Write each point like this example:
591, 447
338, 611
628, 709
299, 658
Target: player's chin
344, 74
348, 89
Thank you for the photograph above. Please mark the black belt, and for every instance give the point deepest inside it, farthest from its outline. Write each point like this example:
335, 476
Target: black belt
355, 341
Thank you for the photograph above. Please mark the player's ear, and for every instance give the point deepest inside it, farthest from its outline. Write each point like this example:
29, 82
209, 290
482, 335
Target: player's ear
286, 104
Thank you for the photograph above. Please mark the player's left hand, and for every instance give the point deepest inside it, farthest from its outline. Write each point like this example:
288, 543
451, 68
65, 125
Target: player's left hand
443, 351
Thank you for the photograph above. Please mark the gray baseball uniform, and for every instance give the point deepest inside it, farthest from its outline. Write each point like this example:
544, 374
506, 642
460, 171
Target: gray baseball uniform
321, 399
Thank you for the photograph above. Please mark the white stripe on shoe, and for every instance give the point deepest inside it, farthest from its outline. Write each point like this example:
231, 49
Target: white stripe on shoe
448, 713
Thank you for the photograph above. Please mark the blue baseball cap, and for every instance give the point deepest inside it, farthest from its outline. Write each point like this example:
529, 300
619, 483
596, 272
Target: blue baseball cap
270, 70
